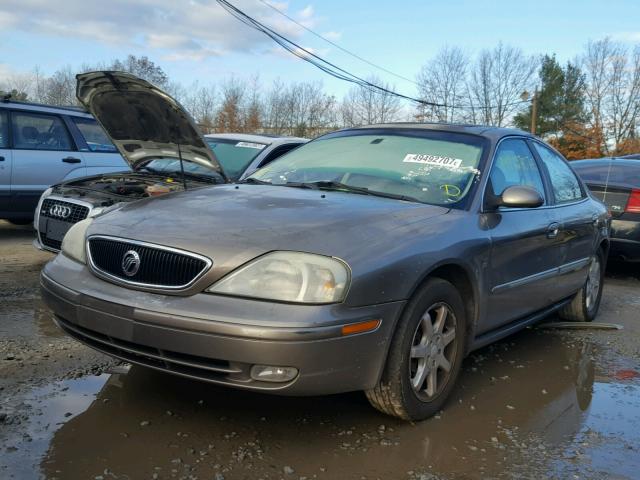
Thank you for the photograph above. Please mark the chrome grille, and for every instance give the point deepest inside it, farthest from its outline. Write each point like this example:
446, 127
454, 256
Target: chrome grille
157, 266
67, 211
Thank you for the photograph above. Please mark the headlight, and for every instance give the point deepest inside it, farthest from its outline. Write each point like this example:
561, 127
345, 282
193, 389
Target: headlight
99, 211
288, 277
44, 195
73, 243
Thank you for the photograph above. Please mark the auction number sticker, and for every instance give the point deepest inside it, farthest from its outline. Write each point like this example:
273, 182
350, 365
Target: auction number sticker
257, 146
433, 160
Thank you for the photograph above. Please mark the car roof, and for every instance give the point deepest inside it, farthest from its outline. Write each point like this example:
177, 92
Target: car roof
492, 133
40, 107
247, 137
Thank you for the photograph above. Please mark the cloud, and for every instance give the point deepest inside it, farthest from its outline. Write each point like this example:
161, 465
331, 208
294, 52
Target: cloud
333, 36
631, 37
179, 30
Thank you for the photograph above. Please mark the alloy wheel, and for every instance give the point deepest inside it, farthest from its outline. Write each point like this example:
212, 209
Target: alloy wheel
433, 351
593, 283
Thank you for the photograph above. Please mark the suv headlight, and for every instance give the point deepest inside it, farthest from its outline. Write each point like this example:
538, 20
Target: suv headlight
288, 277
73, 243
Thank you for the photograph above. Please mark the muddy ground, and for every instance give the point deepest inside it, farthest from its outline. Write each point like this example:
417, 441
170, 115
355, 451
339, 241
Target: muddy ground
542, 404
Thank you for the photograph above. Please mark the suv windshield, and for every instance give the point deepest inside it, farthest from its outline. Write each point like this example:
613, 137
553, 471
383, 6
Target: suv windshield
234, 155
425, 166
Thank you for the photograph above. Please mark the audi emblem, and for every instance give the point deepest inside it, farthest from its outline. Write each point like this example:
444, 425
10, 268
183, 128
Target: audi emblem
130, 263
60, 211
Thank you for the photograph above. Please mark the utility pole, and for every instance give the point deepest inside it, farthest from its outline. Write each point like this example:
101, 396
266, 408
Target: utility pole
534, 111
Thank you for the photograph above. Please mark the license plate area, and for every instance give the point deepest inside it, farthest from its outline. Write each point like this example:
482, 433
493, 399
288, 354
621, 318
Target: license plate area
56, 229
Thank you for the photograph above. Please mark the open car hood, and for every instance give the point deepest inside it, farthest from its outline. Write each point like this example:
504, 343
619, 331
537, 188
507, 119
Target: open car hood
142, 121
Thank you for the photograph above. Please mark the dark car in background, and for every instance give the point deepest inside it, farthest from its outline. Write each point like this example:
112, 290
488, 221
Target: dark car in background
155, 168
616, 181
41, 145
371, 258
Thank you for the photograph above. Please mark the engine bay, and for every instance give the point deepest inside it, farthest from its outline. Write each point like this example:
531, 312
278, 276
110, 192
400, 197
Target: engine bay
109, 189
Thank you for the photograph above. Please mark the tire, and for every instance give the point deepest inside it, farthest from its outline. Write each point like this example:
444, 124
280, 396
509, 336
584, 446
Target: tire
584, 305
410, 359
20, 221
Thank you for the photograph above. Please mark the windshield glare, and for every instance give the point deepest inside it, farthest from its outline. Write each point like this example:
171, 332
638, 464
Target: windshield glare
234, 155
430, 167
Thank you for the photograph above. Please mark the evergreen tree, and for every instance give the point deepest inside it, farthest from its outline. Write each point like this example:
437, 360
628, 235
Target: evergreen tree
560, 100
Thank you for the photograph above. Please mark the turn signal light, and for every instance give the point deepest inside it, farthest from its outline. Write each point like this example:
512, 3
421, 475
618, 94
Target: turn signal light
633, 205
360, 327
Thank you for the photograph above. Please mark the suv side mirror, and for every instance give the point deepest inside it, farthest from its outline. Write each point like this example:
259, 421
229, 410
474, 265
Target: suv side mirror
520, 196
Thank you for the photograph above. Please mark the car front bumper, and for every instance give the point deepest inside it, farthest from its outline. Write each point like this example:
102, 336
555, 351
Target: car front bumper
218, 339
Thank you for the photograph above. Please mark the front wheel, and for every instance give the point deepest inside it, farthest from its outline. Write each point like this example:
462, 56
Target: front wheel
584, 305
425, 355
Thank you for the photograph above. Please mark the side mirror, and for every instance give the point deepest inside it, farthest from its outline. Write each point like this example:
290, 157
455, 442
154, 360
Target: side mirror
520, 196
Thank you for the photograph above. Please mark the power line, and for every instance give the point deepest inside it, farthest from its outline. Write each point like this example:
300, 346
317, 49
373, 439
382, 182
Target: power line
334, 70
330, 42
317, 61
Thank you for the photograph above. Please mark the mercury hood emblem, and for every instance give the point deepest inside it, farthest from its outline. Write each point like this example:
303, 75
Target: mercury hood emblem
130, 263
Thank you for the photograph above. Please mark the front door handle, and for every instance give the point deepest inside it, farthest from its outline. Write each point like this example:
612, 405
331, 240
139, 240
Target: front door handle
553, 230
71, 160
1, 159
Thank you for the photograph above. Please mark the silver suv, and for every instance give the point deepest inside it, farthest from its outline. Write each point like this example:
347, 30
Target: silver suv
42, 145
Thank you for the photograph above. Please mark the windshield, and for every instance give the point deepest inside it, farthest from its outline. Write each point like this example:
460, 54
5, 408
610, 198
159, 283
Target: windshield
425, 166
234, 155
171, 166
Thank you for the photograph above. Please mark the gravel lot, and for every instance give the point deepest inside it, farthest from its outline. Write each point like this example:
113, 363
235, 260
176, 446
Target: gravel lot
543, 403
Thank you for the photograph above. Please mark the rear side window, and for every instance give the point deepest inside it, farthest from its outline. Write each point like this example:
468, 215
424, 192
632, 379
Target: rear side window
4, 130
566, 187
39, 132
94, 135
278, 152
513, 165
610, 171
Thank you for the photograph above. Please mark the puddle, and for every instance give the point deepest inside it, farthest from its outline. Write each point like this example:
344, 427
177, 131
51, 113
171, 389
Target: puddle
537, 405
27, 316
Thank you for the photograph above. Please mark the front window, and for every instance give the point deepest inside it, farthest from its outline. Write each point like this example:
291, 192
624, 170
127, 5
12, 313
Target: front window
94, 135
416, 165
234, 155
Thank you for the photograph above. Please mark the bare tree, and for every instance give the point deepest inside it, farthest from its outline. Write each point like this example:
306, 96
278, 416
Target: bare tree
230, 116
366, 106
60, 88
497, 81
613, 89
442, 81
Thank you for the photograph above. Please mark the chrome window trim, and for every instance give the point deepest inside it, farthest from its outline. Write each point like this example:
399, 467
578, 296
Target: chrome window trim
90, 206
114, 279
562, 269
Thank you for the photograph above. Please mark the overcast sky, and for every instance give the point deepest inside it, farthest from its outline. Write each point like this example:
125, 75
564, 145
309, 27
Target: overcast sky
198, 40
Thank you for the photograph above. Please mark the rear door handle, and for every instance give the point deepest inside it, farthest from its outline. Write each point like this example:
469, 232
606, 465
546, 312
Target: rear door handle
1, 159
71, 160
553, 230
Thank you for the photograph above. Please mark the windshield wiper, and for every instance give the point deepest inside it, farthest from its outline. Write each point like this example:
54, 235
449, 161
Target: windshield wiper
339, 186
197, 176
255, 181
